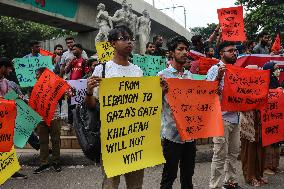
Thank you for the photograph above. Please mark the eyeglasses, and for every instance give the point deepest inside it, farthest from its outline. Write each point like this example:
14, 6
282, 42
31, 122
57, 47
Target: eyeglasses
232, 51
126, 38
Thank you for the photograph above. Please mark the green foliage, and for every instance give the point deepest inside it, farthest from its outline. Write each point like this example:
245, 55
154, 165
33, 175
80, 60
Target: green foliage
262, 15
15, 35
205, 32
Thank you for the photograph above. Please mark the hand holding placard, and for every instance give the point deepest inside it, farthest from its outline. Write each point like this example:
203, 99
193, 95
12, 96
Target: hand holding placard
196, 108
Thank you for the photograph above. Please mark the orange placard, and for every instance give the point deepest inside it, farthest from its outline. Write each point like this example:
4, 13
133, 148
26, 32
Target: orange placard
46, 94
196, 108
244, 89
45, 52
231, 21
8, 113
205, 64
272, 119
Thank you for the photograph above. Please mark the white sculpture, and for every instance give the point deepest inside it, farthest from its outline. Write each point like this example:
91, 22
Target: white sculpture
104, 22
144, 29
121, 16
132, 20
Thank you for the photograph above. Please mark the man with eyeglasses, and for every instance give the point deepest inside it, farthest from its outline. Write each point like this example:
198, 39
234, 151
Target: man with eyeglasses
121, 38
262, 47
226, 148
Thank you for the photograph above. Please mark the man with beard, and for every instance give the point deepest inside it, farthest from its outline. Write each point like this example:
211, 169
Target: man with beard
121, 38
226, 148
176, 151
150, 48
158, 41
262, 47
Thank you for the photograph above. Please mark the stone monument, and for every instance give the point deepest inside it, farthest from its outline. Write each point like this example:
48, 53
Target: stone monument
121, 16
140, 27
105, 23
132, 20
144, 29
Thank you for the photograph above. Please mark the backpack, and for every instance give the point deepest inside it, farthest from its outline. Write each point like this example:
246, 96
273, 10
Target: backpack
87, 126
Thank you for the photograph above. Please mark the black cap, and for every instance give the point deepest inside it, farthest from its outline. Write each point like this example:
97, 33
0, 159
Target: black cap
5, 62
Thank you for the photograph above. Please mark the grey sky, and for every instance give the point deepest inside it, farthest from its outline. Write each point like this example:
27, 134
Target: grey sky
199, 12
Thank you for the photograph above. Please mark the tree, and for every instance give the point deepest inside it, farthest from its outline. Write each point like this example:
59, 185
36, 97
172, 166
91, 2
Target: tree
262, 15
15, 35
205, 32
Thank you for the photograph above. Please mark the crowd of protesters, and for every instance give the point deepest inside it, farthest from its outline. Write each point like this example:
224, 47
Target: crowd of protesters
74, 64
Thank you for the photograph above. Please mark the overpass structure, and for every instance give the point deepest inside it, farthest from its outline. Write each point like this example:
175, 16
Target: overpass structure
80, 16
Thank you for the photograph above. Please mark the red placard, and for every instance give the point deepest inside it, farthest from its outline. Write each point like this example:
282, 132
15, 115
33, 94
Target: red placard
231, 21
45, 52
46, 94
276, 45
196, 108
8, 113
244, 89
272, 119
205, 64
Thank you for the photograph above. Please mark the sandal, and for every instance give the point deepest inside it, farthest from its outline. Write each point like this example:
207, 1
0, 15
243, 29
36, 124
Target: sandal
254, 182
262, 180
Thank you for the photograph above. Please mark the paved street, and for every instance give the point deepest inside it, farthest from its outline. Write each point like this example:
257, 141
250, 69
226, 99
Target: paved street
89, 177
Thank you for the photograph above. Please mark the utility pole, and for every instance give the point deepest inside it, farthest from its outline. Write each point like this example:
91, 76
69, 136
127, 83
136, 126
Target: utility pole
174, 7
153, 3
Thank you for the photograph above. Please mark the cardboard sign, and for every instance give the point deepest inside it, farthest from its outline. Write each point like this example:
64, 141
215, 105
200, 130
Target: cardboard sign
196, 108
26, 68
130, 113
26, 120
9, 165
231, 21
105, 51
244, 89
46, 94
150, 65
8, 114
205, 64
272, 118
81, 88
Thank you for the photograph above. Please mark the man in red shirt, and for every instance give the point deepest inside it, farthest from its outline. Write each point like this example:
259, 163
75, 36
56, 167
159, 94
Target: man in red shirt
77, 66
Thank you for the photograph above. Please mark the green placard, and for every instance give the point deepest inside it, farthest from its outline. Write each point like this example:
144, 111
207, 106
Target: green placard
66, 8
26, 120
26, 68
150, 65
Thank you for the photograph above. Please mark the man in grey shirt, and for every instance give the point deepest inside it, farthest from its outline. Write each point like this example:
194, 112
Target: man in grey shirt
262, 47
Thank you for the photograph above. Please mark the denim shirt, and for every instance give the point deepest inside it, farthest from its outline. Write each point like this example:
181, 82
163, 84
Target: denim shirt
232, 117
169, 130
